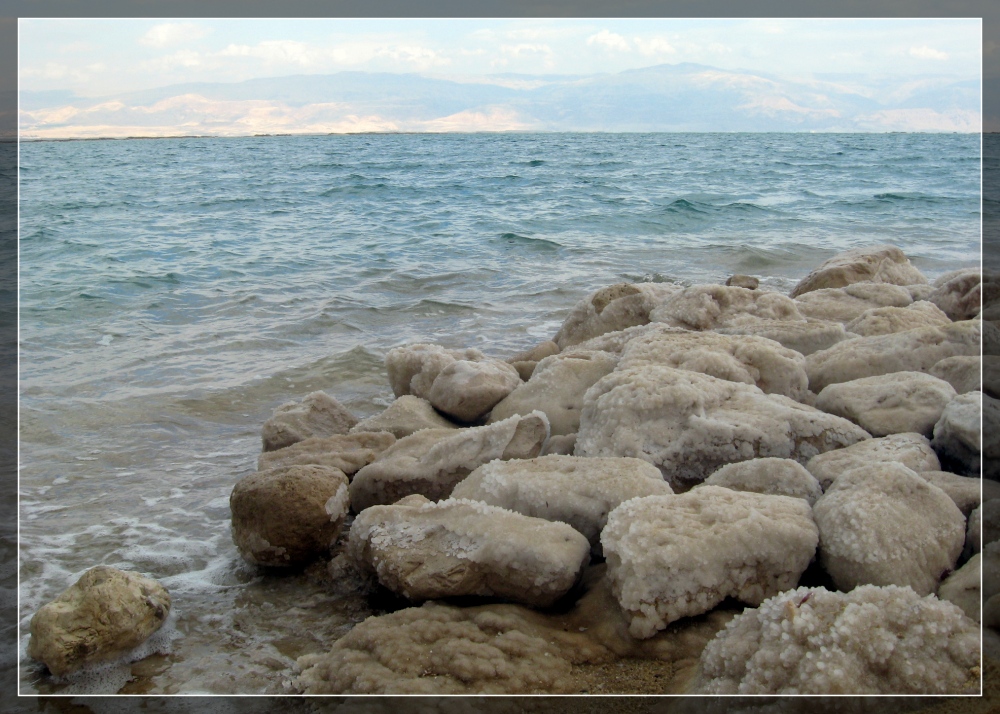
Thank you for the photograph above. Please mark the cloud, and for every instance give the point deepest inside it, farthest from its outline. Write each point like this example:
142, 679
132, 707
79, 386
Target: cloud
925, 52
611, 40
62, 72
518, 51
654, 46
301, 54
169, 34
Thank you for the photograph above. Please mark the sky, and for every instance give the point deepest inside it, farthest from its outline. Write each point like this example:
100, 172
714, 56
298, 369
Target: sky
97, 57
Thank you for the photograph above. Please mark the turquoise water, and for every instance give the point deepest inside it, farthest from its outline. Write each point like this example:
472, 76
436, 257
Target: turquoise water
173, 292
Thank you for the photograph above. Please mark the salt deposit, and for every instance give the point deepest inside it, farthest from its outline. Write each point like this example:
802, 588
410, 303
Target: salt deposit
706, 307
911, 450
886, 320
404, 416
803, 337
959, 294
849, 304
778, 477
878, 264
611, 309
318, 414
965, 374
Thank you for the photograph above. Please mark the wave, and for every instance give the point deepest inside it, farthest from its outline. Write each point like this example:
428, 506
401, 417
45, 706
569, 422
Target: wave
529, 242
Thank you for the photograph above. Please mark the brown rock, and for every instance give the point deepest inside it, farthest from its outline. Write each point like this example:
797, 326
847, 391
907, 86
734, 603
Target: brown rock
318, 414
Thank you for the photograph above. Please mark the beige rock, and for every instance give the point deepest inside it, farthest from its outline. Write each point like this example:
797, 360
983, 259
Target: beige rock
406, 415
877, 264
991, 337
964, 374
425, 551
467, 391
963, 587
920, 292
910, 351
957, 433
556, 388
886, 320
963, 490
346, 452
318, 414
747, 359
613, 342
677, 556
101, 617
973, 532
412, 369
884, 525
743, 281
288, 516
574, 490
708, 307
611, 309
563, 444
525, 362
690, 424
850, 303
776, 477
989, 376
959, 294
803, 337
911, 450
432, 461
896, 403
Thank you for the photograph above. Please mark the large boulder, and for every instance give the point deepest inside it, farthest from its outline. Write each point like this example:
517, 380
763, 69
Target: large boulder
431, 462
803, 337
346, 452
406, 415
959, 294
813, 641
467, 391
910, 351
965, 374
318, 414
611, 309
101, 617
427, 551
896, 403
708, 307
556, 388
746, 358
848, 304
886, 320
690, 424
877, 264
911, 450
288, 516
957, 434
777, 477
884, 525
677, 556
575, 490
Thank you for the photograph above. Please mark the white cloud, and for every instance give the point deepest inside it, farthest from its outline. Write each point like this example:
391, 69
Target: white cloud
611, 40
654, 46
169, 34
301, 54
523, 49
925, 52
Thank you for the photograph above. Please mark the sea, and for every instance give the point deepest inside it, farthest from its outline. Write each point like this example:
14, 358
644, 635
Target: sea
173, 292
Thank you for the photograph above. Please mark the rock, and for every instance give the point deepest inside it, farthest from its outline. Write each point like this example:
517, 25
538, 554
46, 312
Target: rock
708, 307
990, 517
432, 461
677, 556
288, 516
963, 588
743, 281
556, 388
613, 342
884, 525
346, 452
920, 292
100, 618
406, 415
426, 551
777, 477
991, 338
959, 294
813, 641
560, 445
525, 362
611, 309
849, 303
957, 434
747, 359
989, 373
962, 490
803, 337
876, 264
574, 490
689, 424
963, 373
973, 532
412, 369
911, 450
467, 391
896, 403
911, 351
318, 414
886, 320
991, 571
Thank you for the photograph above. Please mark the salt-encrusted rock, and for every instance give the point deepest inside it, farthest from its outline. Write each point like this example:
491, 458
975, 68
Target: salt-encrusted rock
708, 307
910, 351
886, 320
101, 617
884, 525
318, 414
803, 337
896, 403
991, 338
561, 444
613, 342
813, 641
432, 461
611, 309
556, 388
743, 281
964, 373
575, 490
690, 424
959, 293
676, 556
406, 415
777, 477
963, 587
973, 532
412, 369
920, 292
290, 515
876, 264
746, 358
990, 517
850, 303
957, 435
426, 551
911, 450
346, 452
962, 490
525, 362
989, 373
467, 390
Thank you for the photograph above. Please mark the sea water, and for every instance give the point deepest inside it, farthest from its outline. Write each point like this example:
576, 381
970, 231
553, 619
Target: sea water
174, 292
